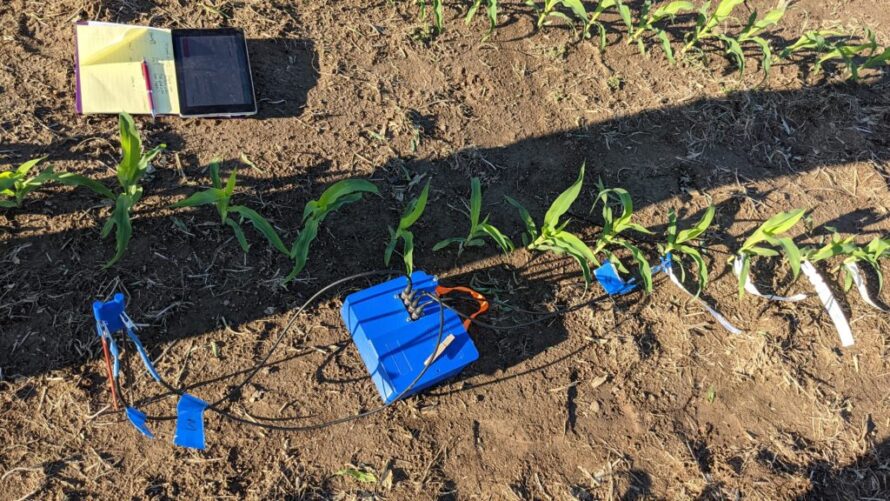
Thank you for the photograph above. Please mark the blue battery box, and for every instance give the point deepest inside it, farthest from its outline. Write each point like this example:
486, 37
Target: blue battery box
394, 348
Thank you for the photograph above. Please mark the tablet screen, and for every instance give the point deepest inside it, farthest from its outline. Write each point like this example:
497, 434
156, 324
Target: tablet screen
213, 72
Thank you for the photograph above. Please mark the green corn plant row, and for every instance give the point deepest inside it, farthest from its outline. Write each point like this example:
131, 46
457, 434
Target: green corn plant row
771, 233
338, 195
220, 195
412, 213
478, 230
651, 19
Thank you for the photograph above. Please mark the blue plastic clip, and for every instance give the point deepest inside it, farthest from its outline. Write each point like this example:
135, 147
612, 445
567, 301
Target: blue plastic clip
110, 318
608, 277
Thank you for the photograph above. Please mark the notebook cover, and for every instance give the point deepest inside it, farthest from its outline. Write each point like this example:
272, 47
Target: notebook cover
78, 107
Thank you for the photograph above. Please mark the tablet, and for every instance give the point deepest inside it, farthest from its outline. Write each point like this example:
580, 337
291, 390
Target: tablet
213, 73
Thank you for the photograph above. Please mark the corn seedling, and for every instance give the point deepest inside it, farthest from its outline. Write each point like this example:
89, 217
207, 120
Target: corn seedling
438, 13
220, 195
412, 213
549, 9
751, 33
478, 230
614, 226
856, 56
649, 20
679, 243
771, 233
872, 253
130, 171
817, 41
15, 185
338, 195
706, 22
491, 13
552, 235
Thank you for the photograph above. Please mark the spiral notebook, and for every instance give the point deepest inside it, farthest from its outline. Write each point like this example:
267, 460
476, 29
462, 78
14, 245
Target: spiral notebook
192, 73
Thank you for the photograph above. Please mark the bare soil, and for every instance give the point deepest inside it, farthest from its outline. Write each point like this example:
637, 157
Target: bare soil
636, 397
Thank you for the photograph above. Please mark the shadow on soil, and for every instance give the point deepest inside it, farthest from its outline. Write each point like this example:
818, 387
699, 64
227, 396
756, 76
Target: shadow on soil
184, 275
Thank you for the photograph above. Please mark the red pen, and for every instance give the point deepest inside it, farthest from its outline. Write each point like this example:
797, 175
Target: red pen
147, 77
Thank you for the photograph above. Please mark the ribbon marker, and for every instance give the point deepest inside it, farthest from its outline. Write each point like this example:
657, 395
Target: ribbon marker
668, 268
608, 277
190, 422
828, 302
612, 283
138, 419
854, 272
750, 288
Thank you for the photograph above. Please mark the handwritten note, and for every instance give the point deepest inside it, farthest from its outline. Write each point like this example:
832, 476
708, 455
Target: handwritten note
110, 64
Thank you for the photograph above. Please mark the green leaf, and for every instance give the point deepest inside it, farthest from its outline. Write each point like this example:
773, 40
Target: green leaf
530, 227
300, 250
734, 49
214, 174
672, 9
575, 244
261, 225
391, 246
503, 242
131, 149
360, 475
415, 209
792, 253
120, 220
725, 8
445, 243
743, 274
472, 12
699, 228
70, 179
762, 252
563, 202
26, 167
239, 235
624, 13
439, 14
475, 202
207, 197
666, 46
408, 251
782, 222
577, 8
700, 264
642, 263
766, 63
878, 59
344, 188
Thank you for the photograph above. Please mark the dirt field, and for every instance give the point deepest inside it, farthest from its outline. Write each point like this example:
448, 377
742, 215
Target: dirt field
640, 397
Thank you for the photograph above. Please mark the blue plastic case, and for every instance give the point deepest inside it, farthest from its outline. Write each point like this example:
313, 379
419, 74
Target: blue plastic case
394, 348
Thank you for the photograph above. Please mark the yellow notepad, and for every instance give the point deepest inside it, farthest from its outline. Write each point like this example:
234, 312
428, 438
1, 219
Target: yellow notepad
109, 69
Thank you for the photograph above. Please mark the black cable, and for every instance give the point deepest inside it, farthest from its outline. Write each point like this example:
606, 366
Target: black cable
228, 415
